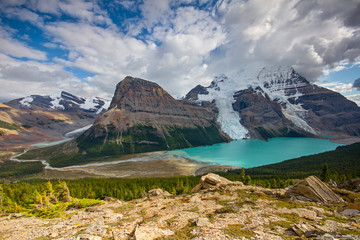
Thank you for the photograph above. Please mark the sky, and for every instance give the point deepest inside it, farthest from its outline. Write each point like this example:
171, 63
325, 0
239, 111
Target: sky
87, 47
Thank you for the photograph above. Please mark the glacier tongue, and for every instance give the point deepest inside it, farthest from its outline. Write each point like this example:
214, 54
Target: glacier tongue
229, 120
222, 92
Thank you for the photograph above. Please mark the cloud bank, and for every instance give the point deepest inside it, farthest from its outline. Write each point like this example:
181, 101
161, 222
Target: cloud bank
87, 47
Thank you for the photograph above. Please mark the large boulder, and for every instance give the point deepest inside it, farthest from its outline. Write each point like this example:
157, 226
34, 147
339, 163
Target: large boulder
212, 180
158, 192
351, 185
313, 189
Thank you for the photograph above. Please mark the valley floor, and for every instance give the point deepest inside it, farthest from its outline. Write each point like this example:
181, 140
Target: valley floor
156, 164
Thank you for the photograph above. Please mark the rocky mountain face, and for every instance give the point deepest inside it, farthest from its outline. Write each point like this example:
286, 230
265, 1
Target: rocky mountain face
143, 117
279, 102
216, 209
45, 118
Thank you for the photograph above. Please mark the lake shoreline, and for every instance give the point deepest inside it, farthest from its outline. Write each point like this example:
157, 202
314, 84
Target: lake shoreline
345, 140
154, 164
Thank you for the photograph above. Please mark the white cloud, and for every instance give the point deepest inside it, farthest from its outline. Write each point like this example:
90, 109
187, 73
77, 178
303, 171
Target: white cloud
113, 55
339, 87
170, 41
20, 79
308, 35
24, 15
155, 12
355, 98
15, 48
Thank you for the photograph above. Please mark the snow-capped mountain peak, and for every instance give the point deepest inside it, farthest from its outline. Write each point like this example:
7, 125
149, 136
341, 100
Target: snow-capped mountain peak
282, 84
281, 79
220, 79
62, 102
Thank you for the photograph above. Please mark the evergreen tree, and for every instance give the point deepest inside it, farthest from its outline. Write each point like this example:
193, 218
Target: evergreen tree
242, 175
324, 176
38, 200
62, 192
247, 180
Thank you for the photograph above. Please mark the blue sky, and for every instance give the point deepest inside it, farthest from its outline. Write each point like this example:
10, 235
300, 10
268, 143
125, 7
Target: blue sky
87, 47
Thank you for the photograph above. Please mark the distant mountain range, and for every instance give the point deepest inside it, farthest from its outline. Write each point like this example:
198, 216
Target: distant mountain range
142, 116
65, 102
38, 118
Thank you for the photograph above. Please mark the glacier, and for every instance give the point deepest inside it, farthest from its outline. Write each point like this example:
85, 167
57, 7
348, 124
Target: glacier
222, 90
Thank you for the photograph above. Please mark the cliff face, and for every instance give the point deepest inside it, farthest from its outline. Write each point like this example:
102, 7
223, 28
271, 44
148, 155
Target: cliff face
263, 117
279, 102
144, 117
329, 112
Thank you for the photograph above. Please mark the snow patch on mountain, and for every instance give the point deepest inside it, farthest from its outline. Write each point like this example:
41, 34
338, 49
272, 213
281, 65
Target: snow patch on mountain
95, 103
55, 103
105, 107
222, 91
26, 102
276, 83
89, 104
77, 131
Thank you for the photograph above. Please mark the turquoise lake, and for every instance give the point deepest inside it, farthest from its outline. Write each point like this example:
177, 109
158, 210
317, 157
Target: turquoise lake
252, 152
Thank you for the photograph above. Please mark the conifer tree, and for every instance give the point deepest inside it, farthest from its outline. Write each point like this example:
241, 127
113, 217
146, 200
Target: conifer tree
247, 180
242, 175
37, 199
324, 176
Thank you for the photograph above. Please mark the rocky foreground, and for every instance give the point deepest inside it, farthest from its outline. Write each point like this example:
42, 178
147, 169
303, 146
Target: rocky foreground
216, 209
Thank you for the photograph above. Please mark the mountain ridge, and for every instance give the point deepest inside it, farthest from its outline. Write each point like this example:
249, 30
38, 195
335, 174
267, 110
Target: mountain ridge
37, 118
279, 102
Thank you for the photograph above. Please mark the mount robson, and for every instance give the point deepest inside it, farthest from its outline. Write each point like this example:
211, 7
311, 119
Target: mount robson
143, 117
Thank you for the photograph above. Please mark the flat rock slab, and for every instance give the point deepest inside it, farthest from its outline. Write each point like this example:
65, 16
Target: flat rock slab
315, 190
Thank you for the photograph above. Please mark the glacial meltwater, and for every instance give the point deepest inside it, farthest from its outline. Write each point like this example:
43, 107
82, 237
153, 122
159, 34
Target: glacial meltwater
252, 152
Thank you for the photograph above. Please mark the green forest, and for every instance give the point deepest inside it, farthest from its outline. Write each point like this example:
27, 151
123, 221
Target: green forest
48, 198
344, 162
